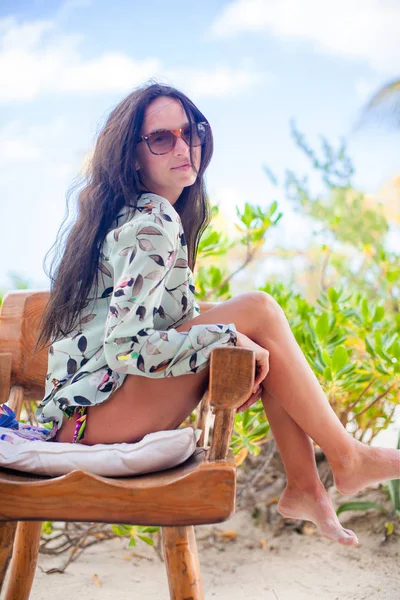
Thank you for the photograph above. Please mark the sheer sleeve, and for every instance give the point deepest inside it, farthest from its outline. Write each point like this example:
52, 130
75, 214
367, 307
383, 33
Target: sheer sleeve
144, 259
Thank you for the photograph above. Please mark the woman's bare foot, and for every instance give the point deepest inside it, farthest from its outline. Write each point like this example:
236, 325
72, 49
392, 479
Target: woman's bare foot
315, 505
367, 466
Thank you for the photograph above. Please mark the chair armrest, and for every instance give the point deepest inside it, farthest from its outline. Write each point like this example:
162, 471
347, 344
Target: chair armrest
232, 374
14, 396
5, 376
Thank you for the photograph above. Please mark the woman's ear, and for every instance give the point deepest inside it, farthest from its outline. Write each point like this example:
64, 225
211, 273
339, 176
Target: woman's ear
137, 166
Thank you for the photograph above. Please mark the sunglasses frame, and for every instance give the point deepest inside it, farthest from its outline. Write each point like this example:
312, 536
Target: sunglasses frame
177, 133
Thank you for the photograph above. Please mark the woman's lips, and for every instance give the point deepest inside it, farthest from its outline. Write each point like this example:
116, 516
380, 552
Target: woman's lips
183, 168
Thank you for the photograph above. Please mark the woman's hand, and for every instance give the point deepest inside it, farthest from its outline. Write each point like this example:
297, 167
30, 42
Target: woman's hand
250, 401
262, 367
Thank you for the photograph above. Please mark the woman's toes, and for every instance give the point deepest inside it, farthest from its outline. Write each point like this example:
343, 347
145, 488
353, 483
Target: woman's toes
333, 530
350, 532
350, 539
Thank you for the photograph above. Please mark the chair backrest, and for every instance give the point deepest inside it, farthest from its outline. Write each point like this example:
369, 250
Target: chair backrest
19, 328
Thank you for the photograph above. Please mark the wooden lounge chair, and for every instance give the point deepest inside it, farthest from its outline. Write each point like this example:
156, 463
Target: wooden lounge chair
201, 490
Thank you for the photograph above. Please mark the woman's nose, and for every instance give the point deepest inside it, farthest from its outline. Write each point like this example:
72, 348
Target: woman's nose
181, 147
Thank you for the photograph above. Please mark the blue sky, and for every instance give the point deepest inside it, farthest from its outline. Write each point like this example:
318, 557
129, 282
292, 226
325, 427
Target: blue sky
250, 65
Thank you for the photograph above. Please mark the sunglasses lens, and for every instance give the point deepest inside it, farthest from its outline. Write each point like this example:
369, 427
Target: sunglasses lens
198, 134
161, 142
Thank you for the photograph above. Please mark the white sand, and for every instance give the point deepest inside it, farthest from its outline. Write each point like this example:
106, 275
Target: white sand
290, 567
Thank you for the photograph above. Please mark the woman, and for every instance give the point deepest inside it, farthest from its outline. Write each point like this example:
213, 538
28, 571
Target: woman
136, 361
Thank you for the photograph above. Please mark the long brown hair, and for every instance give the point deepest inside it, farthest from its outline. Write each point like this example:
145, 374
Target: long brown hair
111, 182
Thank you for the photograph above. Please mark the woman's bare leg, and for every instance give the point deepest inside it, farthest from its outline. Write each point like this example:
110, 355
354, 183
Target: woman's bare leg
305, 496
292, 381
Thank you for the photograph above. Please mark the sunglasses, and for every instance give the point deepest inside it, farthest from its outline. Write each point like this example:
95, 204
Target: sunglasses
164, 140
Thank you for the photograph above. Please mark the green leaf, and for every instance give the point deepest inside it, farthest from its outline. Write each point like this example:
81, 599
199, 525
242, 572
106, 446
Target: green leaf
149, 529
359, 506
333, 295
273, 208
394, 492
47, 527
365, 310
326, 358
363, 378
322, 326
369, 347
378, 340
322, 358
379, 314
260, 431
246, 419
394, 489
132, 542
393, 275
121, 529
316, 365
396, 350
148, 540
350, 368
340, 358
381, 369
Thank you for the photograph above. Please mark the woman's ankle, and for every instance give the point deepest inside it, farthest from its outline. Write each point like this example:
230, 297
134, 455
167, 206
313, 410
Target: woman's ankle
304, 485
343, 465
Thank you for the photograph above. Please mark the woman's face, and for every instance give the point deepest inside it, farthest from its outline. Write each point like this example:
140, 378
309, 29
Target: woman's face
159, 173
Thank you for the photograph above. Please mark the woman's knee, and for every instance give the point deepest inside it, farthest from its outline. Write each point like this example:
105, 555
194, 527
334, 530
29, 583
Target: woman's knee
247, 311
259, 302
256, 309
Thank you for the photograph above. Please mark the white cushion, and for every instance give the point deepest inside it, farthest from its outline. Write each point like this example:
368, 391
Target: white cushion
155, 452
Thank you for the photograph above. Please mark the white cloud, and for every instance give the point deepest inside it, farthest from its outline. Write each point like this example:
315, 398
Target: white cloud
19, 143
70, 6
18, 150
111, 72
36, 58
221, 81
357, 30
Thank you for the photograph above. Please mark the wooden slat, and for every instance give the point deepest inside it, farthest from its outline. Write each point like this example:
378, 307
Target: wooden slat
5, 376
16, 400
232, 372
193, 493
7, 534
20, 314
24, 559
182, 563
203, 415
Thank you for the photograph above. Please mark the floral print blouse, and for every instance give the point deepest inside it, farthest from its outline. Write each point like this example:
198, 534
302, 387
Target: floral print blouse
145, 291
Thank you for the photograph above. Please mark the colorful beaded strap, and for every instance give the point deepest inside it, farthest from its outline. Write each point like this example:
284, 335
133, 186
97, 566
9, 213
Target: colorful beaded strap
80, 425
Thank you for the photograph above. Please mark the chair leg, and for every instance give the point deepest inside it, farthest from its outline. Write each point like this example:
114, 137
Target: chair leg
7, 534
182, 563
24, 559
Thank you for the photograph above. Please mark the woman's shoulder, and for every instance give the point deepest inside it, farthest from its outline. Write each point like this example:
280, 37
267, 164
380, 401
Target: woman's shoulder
151, 209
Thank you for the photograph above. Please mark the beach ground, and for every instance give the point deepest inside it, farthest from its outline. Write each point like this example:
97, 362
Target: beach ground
242, 560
